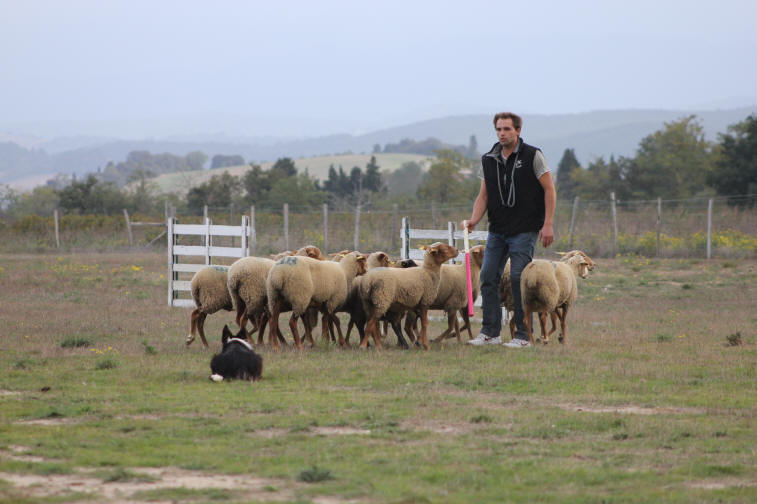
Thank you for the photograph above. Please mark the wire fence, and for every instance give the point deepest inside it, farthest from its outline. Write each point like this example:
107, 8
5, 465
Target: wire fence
602, 228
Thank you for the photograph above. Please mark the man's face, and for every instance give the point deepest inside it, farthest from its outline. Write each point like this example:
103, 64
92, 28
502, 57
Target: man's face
506, 133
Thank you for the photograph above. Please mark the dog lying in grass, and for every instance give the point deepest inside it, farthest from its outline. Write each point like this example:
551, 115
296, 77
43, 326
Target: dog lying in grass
236, 360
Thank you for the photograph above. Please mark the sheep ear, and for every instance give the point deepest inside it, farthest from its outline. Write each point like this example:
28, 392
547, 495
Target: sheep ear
422, 247
560, 253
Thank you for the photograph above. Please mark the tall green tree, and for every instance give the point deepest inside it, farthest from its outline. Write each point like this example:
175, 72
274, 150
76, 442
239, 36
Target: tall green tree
92, 196
566, 184
449, 179
219, 191
372, 179
735, 170
672, 162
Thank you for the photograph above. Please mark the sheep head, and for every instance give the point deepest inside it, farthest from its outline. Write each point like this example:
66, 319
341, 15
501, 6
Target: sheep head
441, 252
567, 255
581, 264
477, 255
378, 260
311, 251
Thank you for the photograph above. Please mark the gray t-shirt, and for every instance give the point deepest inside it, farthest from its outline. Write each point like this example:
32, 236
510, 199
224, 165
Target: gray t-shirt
540, 164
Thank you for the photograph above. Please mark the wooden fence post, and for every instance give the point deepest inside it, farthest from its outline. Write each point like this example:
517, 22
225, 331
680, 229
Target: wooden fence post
573, 221
659, 224
357, 228
128, 228
433, 216
286, 226
325, 228
709, 229
253, 237
614, 225
57, 228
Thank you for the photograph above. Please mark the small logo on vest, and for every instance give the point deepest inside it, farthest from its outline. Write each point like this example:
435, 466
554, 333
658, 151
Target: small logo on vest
518, 164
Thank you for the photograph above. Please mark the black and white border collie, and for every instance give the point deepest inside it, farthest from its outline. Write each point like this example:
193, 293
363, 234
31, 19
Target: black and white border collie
236, 360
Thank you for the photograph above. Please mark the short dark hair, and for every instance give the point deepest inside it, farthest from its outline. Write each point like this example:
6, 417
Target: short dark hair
517, 120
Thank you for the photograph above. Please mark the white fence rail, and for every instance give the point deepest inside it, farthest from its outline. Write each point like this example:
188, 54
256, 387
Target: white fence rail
207, 230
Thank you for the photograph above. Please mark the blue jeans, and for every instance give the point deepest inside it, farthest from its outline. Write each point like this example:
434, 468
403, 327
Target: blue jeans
520, 250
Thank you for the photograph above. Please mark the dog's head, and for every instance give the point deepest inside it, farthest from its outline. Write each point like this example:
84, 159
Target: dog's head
227, 336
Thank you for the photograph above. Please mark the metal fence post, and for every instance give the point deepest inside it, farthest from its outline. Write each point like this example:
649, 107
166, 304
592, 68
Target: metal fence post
128, 228
573, 221
286, 226
253, 237
709, 229
325, 228
614, 225
57, 228
659, 224
357, 228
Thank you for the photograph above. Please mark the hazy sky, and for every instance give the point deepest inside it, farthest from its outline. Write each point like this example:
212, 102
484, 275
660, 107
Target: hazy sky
315, 67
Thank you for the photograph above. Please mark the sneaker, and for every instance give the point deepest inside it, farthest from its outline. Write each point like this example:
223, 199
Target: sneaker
517, 343
483, 339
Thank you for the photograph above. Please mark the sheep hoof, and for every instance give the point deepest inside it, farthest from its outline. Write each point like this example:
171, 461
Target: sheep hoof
561, 339
189, 340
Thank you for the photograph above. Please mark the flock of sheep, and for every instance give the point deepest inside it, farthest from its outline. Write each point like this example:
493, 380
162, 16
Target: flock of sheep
372, 288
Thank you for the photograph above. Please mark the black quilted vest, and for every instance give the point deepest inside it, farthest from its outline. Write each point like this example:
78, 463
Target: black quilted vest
521, 210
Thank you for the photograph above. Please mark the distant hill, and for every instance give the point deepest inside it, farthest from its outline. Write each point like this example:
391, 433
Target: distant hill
590, 134
317, 166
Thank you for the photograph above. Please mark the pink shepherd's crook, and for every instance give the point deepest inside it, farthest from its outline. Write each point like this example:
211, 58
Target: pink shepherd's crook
468, 284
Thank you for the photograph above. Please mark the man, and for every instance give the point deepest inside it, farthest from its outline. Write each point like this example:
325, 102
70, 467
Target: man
519, 197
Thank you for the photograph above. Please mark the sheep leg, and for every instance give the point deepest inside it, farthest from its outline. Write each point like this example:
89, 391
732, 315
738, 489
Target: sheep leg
338, 324
350, 324
397, 328
201, 328
512, 328
466, 319
274, 329
424, 327
543, 325
554, 317
527, 320
563, 325
192, 326
409, 326
386, 329
447, 332
295, 332
368, 333
263, 322
325, 326
457, 327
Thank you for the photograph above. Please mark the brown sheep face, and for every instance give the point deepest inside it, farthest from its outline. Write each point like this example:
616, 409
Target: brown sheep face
477, 255
441, 252
312, 251
362, 266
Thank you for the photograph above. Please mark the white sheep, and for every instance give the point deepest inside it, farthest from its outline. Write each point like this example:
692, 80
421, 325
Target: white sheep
298, 283
550, 288
210, 294
247, 288
396, 290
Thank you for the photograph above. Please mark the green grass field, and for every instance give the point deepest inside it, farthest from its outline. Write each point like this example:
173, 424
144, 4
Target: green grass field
317, 166
649, 400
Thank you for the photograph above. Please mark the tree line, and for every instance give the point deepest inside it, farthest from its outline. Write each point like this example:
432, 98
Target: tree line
673, 162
